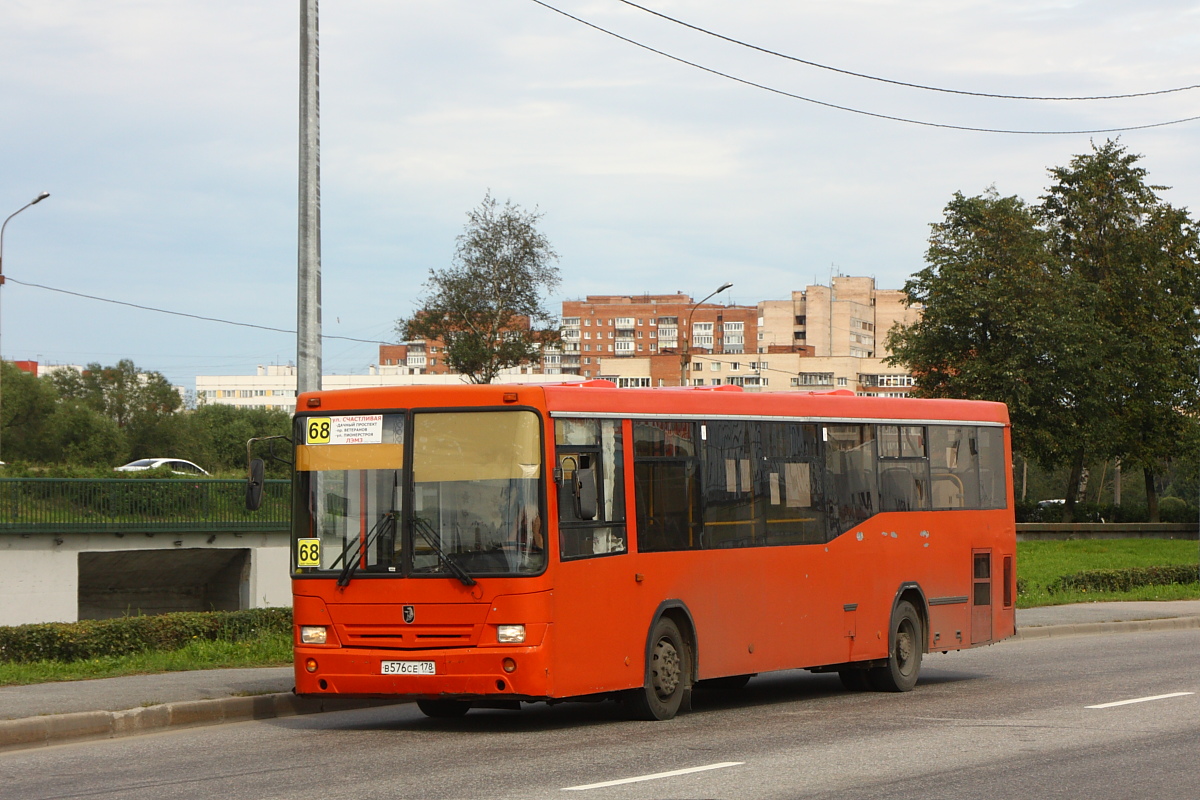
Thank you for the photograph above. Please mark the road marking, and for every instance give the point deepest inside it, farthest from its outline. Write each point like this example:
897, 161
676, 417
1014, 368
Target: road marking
1141, 700
673, 773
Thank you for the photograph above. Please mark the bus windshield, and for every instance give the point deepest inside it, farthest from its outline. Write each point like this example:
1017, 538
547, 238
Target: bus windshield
467, 500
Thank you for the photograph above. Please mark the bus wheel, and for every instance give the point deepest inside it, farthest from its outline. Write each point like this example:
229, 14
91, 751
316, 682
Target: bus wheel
443, 709
668, 675
904, 658
855, 680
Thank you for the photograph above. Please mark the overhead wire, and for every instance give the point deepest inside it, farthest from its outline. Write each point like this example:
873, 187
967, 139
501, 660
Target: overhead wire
859, 111
183, 313
891, 81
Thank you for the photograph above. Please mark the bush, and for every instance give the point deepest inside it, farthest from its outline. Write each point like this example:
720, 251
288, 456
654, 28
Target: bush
1123, 580
77, 641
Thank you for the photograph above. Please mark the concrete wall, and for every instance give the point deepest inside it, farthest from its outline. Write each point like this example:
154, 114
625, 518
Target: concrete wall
41, 579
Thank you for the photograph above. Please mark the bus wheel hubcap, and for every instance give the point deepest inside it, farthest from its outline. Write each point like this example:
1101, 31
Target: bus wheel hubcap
904, 649
666, 668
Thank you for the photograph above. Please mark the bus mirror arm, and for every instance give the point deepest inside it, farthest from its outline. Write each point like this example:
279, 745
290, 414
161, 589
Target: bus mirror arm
255, 469
584, 486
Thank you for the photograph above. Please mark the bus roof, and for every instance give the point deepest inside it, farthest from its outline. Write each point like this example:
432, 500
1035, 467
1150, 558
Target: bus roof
602, 398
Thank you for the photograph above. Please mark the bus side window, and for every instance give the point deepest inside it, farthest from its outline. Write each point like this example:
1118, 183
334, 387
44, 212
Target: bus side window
591, 487
667, 479
850, 464
993, 488
903, 468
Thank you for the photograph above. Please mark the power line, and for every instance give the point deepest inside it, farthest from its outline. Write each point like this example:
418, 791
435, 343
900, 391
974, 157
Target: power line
184, 314
741, 43
848, 109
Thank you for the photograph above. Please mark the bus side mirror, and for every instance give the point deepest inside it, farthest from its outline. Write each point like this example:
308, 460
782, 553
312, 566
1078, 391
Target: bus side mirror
585, 493
254, 485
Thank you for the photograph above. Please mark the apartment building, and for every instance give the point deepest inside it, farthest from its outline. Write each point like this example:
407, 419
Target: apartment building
607, 327
849, 318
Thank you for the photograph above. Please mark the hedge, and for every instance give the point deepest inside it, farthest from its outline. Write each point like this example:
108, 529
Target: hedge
1122, 580
77, 641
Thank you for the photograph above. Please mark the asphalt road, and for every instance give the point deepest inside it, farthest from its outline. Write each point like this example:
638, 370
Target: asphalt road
1018, 719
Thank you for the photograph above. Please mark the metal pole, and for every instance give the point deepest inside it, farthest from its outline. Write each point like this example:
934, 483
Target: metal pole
683, 356
308, 280
41, 196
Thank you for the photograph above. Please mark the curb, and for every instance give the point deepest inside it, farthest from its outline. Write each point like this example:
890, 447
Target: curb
1125, 626
17, 734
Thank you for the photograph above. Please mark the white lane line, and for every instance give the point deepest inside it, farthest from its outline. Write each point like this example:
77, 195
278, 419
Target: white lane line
1141, 700
656, 776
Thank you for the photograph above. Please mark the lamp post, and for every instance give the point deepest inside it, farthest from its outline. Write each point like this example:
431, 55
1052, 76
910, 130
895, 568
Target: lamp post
42, 196
683, 355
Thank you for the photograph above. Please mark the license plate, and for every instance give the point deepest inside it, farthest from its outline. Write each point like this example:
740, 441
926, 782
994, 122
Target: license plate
408, 668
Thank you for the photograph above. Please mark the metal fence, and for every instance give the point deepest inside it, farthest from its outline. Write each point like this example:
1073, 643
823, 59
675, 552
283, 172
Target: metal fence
69, 505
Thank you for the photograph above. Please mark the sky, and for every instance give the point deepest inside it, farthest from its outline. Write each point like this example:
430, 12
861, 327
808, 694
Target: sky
166, 132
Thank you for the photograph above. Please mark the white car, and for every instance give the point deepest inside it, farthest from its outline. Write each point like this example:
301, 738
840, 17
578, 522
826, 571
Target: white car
176, 465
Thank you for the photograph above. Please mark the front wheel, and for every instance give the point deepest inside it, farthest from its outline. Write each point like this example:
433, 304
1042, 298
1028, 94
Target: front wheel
907, 642
668, 675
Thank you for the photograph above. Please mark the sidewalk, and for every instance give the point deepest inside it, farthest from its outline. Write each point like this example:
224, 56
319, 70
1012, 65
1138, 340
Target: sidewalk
51, 713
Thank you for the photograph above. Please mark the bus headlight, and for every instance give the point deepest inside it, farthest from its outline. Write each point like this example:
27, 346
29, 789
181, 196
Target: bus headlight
510, 634
313, 634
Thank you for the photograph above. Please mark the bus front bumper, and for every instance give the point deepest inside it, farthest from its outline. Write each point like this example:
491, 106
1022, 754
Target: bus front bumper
514, 672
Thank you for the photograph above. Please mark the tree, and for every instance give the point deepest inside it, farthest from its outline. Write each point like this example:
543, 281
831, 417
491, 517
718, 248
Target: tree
486, 308
1137, 255
1079, 313
122, 392
26, 409
993, 324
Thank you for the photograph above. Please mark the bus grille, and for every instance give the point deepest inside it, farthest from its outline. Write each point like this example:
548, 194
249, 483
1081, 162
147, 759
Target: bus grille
407, 637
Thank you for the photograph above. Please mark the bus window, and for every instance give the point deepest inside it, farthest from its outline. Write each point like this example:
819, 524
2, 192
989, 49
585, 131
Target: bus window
850, 460
729, 501
993, 490
953, 467
903, 468
589, 457
790, 488
666, 477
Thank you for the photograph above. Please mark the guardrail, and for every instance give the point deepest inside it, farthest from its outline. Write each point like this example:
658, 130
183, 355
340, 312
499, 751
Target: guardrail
1058, 531
84, 505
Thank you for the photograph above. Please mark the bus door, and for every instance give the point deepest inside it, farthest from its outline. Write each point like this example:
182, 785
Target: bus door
981, 596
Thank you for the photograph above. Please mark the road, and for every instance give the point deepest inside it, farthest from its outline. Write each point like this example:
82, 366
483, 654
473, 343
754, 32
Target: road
1016, 719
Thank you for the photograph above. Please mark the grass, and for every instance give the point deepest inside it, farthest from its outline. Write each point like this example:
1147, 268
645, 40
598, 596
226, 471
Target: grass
1039, 563
271, 650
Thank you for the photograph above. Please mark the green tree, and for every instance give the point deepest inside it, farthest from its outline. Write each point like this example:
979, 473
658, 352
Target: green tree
486, 309
1080, 314
121, 392
81, 435
221, 432
27, 406
1137, 257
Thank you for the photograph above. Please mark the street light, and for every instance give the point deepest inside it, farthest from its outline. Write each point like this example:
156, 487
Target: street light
32, 202
683, 356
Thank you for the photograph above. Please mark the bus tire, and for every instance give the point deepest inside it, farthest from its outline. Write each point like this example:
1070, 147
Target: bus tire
668, 675
443, 709
905, 646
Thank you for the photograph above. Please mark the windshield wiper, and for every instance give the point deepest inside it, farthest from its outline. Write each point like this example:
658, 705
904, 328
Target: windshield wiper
431, 536
388, 520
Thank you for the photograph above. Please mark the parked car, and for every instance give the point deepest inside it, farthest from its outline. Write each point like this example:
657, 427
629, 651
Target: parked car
176, 465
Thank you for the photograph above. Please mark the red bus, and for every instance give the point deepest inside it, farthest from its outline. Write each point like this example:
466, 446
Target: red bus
487, 545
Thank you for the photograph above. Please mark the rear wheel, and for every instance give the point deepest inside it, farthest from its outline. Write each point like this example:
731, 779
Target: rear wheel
668, 675
443, 709
907, 642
